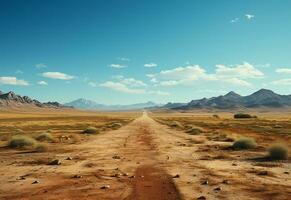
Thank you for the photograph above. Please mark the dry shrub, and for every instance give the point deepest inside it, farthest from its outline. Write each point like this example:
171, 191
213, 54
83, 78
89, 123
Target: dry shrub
41, 147
45, 137
244, 143
278, 152
176, 124
91, 130
194, 131
20, 141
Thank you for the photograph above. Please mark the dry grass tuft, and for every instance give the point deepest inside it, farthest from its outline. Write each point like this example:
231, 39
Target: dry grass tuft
278, 152
20, 141
91, 130
41, 147
45, 137
244, 143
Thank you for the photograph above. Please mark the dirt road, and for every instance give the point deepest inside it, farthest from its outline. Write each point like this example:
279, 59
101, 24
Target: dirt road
143, 160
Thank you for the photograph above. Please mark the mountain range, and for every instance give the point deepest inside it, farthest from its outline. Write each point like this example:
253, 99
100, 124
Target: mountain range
92, 105
11, 100
260, 99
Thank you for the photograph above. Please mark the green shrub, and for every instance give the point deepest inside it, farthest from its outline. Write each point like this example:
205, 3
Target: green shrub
91, 130
244, 143
19, 141
194, 131
242, 116
44, 137
278, 152
41, 147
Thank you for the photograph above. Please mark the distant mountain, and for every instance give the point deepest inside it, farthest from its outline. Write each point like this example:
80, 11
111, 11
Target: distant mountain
92, 105
11, 100
261, 98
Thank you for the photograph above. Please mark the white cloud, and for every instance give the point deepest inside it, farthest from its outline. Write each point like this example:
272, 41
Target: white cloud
40, 65
284, 70
150, 65
249, 16
117, 86
158, 92
19, 72
189, 75
57, 75
245, 70
236, 81
130, 81
9, 80
117, 66
234, 20
123, 59
42, 83
286, 81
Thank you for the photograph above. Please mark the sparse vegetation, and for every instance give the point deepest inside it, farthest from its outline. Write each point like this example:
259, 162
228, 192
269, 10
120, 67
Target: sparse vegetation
91, 130
20, 141
278, 152
244, 143
194, 131
243, 116
45, 137
41, 147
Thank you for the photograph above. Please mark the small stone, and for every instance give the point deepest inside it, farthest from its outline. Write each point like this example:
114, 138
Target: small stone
201, 198
55, 162
234, 164
131, 177
176, 176
225, 182
69, 158
205, 182
125, 174
286, 173
35, 182
21, 178
105, 187
263, 173
116, 157
218, 189
77, 176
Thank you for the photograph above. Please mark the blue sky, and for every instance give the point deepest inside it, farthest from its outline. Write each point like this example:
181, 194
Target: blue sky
122, 52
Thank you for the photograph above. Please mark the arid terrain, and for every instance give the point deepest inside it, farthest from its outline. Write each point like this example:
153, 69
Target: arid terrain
144, 156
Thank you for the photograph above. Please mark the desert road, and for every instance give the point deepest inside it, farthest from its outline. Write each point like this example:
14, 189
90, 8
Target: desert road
143, 160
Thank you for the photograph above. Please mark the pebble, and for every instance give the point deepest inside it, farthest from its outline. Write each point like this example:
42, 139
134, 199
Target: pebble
176, 176
218, 189
201, 198
77, 176
35, 182
263, 173
69, 158
105, 187
55, 162
116, 157
225, 181
205, 182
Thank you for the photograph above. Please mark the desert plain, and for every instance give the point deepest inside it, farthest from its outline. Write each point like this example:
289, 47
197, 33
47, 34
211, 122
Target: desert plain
143, 155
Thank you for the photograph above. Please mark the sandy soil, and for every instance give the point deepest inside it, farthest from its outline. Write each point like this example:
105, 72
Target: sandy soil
143, 160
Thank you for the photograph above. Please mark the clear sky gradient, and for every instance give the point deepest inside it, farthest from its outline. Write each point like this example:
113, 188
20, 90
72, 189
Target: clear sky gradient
123, 52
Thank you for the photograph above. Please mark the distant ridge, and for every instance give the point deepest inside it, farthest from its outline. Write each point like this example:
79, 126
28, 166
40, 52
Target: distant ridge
12, 100
263, 98
92, 105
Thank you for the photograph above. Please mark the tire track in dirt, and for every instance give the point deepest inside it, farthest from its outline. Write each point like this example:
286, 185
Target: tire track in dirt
151, 181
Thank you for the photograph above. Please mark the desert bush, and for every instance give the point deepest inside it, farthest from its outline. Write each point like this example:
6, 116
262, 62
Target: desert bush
176, 124
215, 116
242, 115
41, 147
194, 131
44, 137
244, 143
278, 152
19, 141
91, 130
